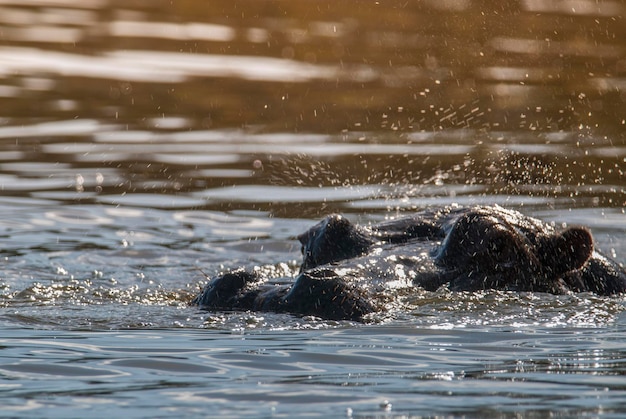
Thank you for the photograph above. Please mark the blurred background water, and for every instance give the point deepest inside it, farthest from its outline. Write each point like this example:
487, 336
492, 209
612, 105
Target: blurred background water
146, 145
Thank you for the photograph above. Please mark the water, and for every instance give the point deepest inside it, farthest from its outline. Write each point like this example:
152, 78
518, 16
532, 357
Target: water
146, 146
392, 371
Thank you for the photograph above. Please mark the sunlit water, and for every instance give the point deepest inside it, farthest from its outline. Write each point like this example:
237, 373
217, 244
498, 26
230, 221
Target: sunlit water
146, 147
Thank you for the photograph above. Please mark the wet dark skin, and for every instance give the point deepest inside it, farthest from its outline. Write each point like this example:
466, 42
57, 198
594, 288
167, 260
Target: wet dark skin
345, 267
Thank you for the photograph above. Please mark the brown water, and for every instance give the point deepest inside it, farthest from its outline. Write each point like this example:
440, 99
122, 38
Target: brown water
146, 144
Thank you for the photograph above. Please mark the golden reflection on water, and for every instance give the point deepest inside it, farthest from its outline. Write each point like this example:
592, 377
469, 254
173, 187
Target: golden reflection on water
322, 67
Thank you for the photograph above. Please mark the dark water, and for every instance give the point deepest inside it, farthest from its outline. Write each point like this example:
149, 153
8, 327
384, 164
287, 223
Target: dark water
145, 145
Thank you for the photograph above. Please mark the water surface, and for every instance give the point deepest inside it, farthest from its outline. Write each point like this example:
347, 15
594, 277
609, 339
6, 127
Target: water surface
146, 147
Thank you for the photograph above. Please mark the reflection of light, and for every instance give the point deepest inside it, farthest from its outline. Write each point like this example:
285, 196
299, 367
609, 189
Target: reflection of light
244, 67
170, 67
77, 127
32, 17
257, 35
574, 7
327, 29
9, 91
507, 90
38, 83
252, 147
545, 47
514, 74
254, 193
187, 31
452, 5
35, 60
82, 4
169, 122
52, 26
43, 34
607, 84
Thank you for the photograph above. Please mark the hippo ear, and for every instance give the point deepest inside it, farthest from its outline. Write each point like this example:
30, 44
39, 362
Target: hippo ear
566, 251
331, 225
333, 239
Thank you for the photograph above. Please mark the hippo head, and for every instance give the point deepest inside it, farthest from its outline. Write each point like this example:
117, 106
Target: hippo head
331, 240
478, 249
490, 250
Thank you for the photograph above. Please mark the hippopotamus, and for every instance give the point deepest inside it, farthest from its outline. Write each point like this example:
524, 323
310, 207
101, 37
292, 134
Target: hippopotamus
349, 271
